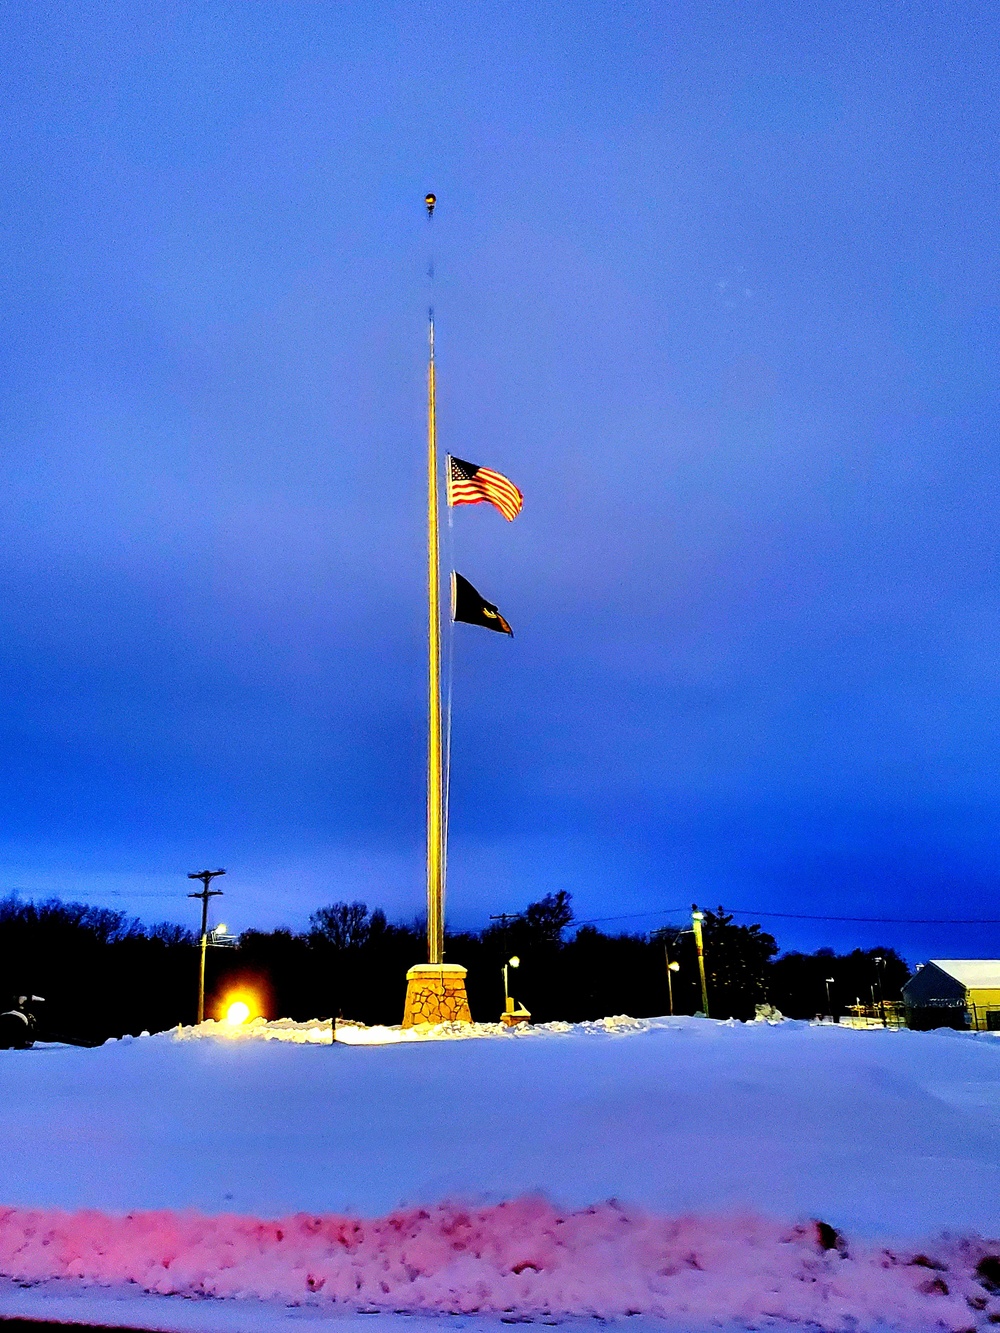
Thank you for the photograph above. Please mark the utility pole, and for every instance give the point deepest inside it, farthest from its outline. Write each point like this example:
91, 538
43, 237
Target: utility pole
206, 877
505, 918
696, 919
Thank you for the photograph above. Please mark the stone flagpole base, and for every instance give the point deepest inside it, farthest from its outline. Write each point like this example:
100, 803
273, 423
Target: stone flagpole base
435, 993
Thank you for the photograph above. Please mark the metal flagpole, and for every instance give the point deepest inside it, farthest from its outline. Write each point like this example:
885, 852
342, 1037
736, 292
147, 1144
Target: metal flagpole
435, 990
449, 689
435, 820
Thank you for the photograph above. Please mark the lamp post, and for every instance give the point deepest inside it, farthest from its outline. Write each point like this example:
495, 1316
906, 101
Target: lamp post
671, 969
206, 877
696, 919
508, 1006
879, 963
829, 1002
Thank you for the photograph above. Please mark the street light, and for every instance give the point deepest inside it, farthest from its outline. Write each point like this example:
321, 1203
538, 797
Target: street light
879, 962
671, 968
508, 1007
829, 1002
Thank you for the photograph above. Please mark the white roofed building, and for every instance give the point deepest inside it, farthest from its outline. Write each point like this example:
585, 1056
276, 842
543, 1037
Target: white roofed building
955, 993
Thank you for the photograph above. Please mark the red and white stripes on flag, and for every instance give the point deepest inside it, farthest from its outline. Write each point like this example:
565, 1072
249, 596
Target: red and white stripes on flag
468, 484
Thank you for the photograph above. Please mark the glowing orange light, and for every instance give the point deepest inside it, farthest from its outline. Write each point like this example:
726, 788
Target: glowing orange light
239, 1004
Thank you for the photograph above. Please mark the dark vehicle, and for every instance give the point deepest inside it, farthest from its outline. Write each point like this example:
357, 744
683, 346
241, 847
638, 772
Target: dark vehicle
19, 1024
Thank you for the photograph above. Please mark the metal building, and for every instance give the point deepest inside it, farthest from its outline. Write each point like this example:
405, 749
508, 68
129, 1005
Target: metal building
954, 993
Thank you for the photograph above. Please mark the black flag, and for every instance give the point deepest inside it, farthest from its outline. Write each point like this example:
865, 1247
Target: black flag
472, 608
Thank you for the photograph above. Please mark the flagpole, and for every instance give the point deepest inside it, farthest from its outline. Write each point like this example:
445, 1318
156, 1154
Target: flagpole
435, 820
435, 990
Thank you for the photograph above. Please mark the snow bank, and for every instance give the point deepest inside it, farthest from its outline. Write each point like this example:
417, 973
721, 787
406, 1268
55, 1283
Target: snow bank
316, 1031
521, 1258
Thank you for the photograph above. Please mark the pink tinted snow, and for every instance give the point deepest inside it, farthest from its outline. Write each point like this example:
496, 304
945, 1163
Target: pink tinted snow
524, 1257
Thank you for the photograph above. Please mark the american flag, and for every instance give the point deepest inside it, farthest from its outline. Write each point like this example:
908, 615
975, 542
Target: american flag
471, 485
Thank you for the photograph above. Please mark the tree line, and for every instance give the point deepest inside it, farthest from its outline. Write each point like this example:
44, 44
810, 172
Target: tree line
105, 974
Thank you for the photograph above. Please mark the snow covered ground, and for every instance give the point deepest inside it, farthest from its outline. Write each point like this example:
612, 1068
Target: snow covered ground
491, 1162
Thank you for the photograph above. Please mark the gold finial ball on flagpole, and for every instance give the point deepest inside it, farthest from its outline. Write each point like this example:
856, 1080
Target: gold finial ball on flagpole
430, 200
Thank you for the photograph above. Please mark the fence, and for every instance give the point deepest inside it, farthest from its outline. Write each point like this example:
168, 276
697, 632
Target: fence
895, 1014
887, 1014
955, 1014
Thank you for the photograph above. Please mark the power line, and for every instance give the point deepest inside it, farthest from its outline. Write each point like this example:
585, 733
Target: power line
629, 916
803, 916
885, 920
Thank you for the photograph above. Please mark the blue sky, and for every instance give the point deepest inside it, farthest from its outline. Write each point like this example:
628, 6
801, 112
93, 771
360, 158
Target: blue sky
716, 285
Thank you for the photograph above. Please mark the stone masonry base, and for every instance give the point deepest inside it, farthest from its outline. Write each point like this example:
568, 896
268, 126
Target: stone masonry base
435, 993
